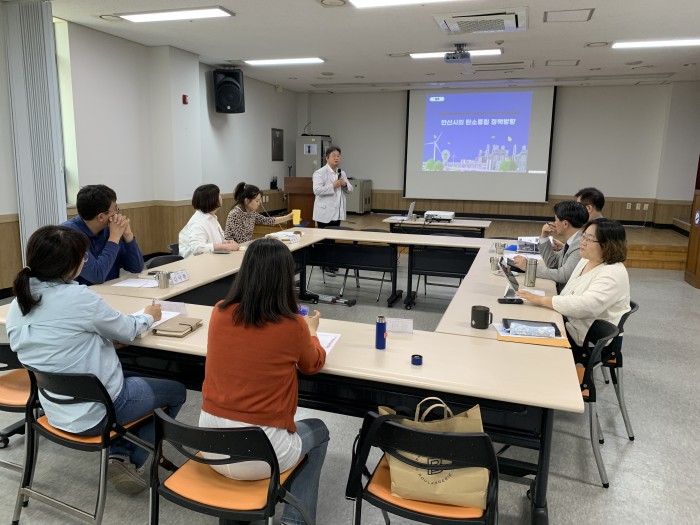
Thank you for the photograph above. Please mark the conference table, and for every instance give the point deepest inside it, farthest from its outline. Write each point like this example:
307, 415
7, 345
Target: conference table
518, 386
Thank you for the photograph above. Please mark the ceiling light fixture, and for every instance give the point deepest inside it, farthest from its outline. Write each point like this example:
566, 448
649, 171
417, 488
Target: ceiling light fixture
285, 61
177, 14
657, 43
361, 4
472, 53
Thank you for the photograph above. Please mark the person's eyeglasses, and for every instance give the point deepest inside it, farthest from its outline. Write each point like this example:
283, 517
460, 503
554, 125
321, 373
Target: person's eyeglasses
86, 257
588, 238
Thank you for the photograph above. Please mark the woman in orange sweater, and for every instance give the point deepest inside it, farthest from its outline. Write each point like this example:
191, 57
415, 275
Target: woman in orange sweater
257, 341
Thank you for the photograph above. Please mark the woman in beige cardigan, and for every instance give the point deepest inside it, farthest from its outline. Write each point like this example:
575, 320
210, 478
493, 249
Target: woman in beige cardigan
599, 287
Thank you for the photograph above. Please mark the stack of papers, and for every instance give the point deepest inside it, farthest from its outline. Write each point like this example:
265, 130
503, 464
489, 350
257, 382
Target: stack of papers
503, 334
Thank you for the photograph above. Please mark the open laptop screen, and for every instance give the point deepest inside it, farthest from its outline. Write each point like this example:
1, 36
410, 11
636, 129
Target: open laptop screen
512, 281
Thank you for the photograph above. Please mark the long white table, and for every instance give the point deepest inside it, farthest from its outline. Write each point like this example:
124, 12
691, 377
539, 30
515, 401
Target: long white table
517, 385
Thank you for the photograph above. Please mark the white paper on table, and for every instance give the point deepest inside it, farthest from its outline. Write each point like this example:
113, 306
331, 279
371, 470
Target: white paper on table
138, 283
172, 306
398, 218
327, 340
394, 324
536, 292
166, 316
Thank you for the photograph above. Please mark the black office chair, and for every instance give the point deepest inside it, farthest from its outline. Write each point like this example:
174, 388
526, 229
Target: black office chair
68, 389
161, 260
448, 254
197, 486
15, 388
460, 449
174, 248
599, 335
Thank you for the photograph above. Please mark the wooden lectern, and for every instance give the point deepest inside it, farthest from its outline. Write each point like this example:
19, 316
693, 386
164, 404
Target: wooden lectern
300, 195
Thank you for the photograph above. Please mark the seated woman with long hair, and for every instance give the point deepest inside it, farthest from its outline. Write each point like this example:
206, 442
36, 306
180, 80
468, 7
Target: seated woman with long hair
244, 215
57, 325
203, 233
599, 287
257, 342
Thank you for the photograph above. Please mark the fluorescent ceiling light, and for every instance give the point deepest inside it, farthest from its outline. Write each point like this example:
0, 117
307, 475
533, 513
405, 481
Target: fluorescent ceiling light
657, 43
284, 61
474, 53
361, 4
176, 14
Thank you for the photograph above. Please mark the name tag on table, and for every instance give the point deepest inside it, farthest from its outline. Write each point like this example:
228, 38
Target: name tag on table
398, 325
179, 276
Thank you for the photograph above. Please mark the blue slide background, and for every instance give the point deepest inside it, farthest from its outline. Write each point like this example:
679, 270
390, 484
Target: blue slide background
447, 116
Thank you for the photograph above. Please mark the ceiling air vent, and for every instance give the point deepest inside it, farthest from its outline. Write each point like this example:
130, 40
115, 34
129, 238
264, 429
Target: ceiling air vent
502, 21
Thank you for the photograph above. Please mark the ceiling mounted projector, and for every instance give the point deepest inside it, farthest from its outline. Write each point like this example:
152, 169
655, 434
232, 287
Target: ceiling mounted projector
458, 56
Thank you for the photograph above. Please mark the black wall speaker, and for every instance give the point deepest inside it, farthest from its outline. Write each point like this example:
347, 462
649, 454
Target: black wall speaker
228, 91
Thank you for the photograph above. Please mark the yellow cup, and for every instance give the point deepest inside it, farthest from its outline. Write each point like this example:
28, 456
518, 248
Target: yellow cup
296, 217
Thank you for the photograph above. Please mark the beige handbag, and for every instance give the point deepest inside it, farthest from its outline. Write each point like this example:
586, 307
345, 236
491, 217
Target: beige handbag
464, 487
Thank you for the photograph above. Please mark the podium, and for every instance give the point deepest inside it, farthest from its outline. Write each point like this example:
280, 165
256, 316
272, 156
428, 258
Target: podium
300, 196
692, 265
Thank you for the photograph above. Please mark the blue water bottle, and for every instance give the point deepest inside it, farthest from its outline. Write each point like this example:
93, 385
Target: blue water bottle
380, 337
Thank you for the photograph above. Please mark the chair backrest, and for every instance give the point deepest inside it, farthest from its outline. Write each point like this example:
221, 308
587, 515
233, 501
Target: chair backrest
615, 348
599, 335
174, 248
339, 228
461, 449
70, 389
161, 260
236, 444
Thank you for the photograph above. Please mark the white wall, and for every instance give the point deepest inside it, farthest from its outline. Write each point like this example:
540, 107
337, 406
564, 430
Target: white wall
8, 195
112, 112
615, 138
370, 128
679, 155
236, 147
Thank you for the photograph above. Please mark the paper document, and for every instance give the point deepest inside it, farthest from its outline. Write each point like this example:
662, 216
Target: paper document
138, 283
398, 218
166, 316
327, 340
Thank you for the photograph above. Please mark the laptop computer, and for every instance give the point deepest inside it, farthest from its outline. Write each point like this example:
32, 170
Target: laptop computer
411, 207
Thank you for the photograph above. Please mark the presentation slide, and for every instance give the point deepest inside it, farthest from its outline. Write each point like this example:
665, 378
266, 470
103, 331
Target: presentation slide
479, 145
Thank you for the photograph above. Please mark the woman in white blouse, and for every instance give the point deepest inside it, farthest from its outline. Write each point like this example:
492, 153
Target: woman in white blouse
203, 233
599, 287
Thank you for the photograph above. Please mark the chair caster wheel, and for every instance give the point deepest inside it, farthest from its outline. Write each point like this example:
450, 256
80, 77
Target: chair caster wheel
606, 485
601, 441
632, 438
4, 442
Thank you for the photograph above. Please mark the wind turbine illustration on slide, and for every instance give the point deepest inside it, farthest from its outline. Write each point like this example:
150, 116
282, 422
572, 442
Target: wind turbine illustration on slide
435, 144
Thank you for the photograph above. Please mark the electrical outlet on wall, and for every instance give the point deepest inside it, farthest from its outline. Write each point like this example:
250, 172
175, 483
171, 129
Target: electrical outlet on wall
629, 205
639, 206
646, 206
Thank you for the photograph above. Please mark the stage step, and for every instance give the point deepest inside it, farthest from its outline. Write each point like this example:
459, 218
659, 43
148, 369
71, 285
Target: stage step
657, 257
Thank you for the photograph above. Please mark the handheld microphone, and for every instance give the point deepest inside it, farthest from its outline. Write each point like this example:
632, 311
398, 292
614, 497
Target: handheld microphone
339, 174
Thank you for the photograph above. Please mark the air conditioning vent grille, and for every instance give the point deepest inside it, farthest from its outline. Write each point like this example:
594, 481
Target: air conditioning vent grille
505, 21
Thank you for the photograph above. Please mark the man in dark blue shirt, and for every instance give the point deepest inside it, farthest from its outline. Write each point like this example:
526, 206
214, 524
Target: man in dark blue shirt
112, 243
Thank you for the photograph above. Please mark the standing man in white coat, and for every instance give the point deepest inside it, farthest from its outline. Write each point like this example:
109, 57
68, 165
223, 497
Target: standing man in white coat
330, 186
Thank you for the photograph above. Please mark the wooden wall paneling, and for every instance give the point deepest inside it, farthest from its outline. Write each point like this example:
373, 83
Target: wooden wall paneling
666, 211
11, 253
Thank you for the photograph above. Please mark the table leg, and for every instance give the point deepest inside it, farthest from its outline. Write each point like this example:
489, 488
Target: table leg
538, 504
304, 294
395, 294
410, 294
